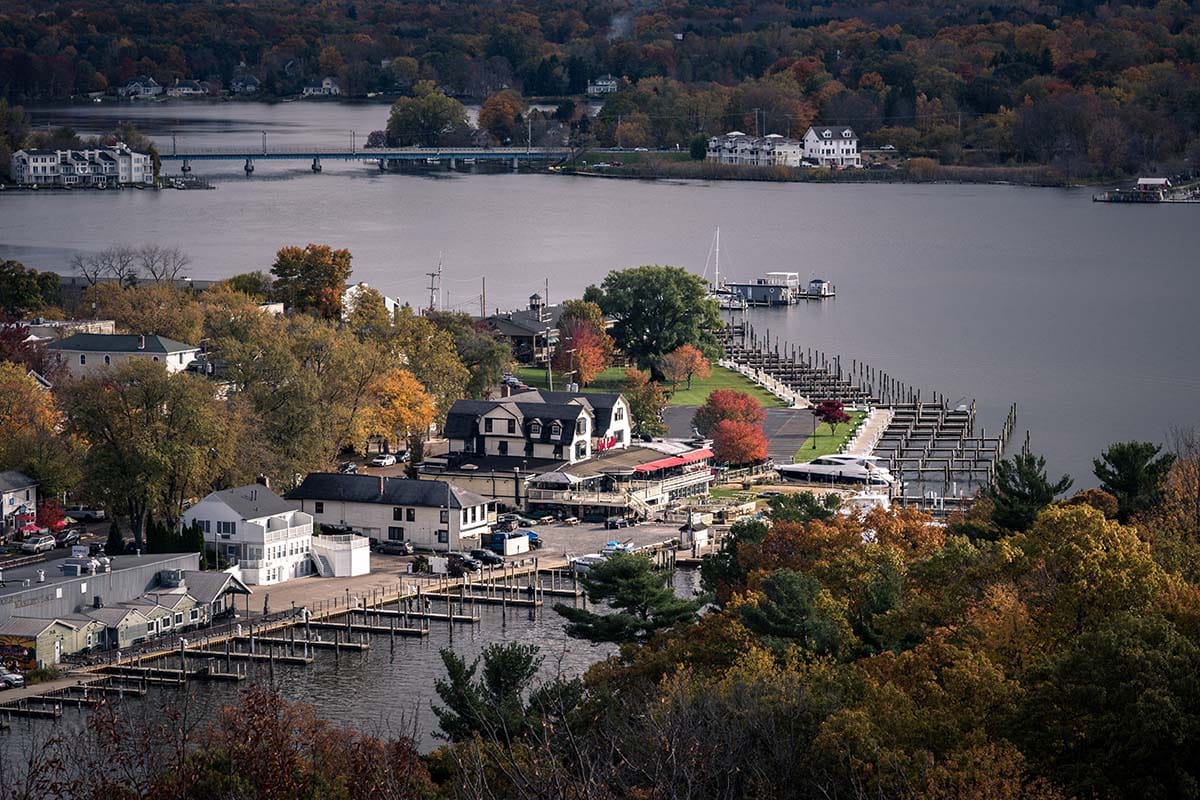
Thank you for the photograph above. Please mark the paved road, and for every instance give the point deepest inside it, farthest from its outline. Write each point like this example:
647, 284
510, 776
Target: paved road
786, 428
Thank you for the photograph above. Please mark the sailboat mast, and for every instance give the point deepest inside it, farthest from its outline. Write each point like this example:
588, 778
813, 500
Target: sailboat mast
717, 271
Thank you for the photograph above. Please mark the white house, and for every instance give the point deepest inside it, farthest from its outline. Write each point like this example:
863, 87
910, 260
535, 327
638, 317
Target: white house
350, 300
89, 353
101, 166
186, 88
18, 499
771, 150
605, 84
538, 424
433, 515
327, 87
832, 146
244, 84
140, 86
268, 537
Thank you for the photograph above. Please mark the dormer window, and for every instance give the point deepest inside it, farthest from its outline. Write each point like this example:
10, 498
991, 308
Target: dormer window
846, 134
556, 429
535, 428
828, 134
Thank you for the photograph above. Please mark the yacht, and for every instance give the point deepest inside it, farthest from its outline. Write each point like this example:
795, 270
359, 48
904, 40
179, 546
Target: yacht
838, 469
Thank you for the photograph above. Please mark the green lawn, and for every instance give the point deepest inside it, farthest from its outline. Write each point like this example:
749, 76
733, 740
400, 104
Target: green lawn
826, 442
611, 379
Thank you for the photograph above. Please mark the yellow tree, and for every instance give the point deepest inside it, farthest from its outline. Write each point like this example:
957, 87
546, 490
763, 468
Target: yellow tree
405, 408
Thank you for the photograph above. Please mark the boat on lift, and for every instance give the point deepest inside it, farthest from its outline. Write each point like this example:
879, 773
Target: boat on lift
834, 469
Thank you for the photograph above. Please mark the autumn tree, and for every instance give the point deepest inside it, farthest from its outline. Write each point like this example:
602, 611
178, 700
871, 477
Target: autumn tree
405, 409
151, 309
33, 440
312, 278
485, 355
657, 309
425, 117
500, 115
738, 442
582, 351
647, 400
155, 439
684, 363
728, 404
832, 413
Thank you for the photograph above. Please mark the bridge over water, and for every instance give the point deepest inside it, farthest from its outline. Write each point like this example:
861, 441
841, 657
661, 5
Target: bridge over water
387, 157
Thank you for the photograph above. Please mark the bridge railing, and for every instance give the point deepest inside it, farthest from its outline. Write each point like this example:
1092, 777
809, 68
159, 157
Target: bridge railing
366, 152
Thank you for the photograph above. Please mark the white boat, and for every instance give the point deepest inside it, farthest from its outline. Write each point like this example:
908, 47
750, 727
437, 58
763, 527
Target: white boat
864, 501
838, 469
585, 562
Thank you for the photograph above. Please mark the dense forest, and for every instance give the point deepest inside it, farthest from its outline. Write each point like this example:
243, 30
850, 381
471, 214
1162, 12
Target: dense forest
1092, 88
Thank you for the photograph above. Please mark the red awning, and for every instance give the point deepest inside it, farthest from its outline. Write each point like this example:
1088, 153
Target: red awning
674, 461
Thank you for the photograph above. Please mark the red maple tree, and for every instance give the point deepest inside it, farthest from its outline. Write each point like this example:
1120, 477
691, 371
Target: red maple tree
728, 404
738, 442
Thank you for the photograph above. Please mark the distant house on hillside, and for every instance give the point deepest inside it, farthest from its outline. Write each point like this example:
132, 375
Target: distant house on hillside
186, 88
244, 84
832, 146
325, 88
605, 84
141, 86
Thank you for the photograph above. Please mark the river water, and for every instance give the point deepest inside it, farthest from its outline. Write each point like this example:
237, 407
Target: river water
1080, 312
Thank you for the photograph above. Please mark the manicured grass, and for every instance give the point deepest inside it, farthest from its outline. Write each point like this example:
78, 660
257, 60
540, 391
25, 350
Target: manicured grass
722, 378
826, 442
611, 380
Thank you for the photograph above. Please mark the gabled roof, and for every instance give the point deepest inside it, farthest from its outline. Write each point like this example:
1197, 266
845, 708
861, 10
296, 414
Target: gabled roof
600, 403
30, 626
206, 587
252, 502
334, 486
833, 132
11, 481
120, 343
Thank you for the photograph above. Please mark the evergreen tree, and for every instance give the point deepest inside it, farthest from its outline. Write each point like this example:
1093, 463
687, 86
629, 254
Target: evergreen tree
115, 545
1133, 472
1021, 489
642, 602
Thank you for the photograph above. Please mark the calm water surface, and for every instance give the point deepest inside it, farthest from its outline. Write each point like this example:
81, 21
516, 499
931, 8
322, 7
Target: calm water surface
1080, 312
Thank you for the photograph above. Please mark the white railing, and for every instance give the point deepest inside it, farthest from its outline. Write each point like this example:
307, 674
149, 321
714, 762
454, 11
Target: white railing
346, 541
780, 390
280, 534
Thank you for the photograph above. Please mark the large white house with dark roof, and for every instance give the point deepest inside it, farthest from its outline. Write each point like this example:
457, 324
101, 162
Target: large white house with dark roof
268, 537
539, 424
87, 354
18, 499
832, 146
433, 515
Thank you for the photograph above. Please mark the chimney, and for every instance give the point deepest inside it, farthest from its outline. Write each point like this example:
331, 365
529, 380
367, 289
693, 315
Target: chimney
141, 343
505, 390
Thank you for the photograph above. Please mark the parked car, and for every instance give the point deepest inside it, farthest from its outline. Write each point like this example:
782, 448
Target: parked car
66, 537
487, 557
383, 460
526, 522
612, 523
348, 468
40, 543
10, 679
96, 549
465, 561
392, 548
508, 517
402, 456
85, 513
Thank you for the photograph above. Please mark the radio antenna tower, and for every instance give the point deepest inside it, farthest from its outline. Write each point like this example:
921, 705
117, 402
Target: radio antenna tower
435, 286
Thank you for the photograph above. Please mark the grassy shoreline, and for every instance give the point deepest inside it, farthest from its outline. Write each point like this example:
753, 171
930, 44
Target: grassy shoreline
826, 442
611, 380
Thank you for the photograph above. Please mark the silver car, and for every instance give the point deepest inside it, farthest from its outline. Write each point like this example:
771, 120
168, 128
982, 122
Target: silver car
10, 679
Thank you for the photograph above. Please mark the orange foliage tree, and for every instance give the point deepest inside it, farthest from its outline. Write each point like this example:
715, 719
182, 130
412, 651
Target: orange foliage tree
738, 442
728, 404
684, 363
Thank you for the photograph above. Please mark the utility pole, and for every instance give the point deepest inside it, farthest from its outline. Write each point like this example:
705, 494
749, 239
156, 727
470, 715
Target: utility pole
435, 286
757, 131
618, 131
528, 133
483, 298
